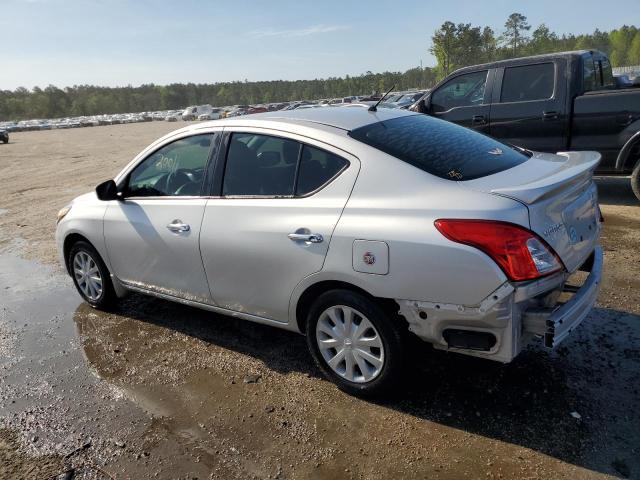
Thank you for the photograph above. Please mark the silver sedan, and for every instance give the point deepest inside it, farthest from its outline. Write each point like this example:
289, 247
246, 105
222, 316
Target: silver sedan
353, 226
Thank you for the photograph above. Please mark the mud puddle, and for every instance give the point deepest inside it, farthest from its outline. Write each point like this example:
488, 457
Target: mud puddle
159, 390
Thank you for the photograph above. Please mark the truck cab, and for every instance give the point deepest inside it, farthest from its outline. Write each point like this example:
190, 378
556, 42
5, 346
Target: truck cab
548, 103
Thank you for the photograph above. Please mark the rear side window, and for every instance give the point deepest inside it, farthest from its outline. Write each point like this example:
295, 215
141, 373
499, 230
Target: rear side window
317, 167
529, 82
264, 165
440, 148
260, 165
607, 74
588, 75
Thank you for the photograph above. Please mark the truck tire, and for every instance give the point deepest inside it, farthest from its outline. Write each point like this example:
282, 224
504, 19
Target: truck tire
635, 180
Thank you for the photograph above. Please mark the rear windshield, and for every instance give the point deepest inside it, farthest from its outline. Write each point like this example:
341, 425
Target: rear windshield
440, 148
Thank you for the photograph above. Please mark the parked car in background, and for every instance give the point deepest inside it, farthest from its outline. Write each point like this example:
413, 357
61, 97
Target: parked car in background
237, 110
257, 109
4, 135
193, 112
549, 103
214, 114
289, 219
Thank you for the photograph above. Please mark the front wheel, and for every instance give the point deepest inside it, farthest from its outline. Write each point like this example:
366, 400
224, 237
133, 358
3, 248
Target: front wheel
91, 276
355, 344
635, 180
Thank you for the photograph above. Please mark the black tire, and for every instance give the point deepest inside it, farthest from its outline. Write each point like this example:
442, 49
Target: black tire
391, 333
635, 180
5, 140
107, 297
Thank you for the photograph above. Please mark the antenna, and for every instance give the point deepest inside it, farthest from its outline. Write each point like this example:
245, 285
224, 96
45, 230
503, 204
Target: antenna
374, 108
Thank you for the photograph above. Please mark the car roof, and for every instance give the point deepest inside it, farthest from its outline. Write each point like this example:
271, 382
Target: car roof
345, 118
519, 60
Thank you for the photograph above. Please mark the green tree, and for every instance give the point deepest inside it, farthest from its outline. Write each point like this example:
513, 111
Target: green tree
444, 44
514, 35
634, 50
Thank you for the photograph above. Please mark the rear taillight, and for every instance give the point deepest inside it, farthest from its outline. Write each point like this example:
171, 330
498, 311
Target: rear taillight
520, 253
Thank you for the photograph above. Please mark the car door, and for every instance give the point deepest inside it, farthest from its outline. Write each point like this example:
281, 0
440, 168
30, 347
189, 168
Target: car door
271, 224
464, 99
528, 106
152, 234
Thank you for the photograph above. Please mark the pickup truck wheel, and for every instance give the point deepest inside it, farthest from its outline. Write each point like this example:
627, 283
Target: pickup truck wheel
635, 180
354, 343
91, 276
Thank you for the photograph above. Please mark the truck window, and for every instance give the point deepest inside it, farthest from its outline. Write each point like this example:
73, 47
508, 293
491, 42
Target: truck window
462, 91
607, 73
529, 82
588, 74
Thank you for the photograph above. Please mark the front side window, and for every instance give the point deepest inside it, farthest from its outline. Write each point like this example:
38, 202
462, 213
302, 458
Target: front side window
260, 165
440, 148
175, 170
529, 82
462, 91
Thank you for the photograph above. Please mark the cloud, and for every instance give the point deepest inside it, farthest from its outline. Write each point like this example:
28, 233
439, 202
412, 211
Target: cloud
299, 32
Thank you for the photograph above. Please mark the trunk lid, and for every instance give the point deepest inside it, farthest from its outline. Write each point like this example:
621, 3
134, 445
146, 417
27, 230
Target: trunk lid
561, 196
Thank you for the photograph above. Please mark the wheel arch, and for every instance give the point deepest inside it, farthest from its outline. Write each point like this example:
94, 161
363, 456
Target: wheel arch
628, 157
69, 241
313, 291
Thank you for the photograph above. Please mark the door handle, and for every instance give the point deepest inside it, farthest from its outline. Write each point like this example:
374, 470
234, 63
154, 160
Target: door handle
550, 115
478, 120
306, 237
178, 227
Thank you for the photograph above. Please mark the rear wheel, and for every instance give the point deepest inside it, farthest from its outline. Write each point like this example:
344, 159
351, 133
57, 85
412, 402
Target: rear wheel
635, 180
354, 342
91, 276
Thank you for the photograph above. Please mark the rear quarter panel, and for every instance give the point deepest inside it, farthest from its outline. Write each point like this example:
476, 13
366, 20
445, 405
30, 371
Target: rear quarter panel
397, 203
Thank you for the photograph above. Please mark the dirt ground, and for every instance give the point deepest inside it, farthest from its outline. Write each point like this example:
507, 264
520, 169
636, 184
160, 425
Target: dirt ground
157, 390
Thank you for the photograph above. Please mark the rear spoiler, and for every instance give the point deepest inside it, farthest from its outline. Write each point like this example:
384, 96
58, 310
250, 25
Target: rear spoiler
580, 168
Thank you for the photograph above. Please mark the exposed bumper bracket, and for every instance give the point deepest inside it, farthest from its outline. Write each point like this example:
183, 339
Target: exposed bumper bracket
555, 324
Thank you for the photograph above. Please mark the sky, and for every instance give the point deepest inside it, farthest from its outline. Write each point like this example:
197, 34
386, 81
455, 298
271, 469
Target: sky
132, 42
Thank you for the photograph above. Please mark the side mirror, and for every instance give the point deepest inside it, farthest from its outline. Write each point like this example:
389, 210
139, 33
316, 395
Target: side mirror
426, 101
422, 106
107, 191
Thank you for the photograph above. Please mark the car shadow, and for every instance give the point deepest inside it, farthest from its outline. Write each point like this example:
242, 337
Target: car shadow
616, 191
574, 403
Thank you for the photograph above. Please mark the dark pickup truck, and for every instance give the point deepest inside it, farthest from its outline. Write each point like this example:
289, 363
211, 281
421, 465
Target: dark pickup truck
549, 103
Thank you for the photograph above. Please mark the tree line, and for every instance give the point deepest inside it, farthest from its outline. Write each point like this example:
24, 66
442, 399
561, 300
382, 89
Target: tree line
462, 44
54, 102
453, 45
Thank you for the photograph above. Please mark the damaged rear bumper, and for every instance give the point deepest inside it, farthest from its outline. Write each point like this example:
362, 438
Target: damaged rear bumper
503, 323
555, 324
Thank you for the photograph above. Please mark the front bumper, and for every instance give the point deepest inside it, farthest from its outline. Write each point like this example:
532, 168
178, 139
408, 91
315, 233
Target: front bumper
555, 323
